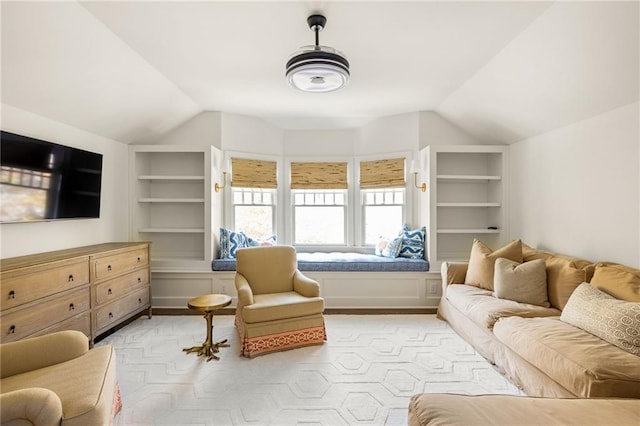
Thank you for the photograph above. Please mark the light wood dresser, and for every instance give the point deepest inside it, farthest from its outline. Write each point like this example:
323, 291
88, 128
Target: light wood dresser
91, 289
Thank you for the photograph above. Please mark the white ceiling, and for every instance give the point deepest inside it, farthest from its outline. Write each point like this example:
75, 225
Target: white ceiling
503, 71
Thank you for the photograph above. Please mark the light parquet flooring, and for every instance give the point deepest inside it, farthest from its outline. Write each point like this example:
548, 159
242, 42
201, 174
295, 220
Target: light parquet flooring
364, 374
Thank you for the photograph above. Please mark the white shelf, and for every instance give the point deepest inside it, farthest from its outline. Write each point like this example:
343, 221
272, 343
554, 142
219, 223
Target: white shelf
467, 178
468, 231
469, 204
171, 200
173, 230
177, 178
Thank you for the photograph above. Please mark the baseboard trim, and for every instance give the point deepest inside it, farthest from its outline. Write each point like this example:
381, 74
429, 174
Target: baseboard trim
328, 311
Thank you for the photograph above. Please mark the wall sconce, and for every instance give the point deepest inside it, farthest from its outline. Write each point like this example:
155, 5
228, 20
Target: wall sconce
414, 170
225, 170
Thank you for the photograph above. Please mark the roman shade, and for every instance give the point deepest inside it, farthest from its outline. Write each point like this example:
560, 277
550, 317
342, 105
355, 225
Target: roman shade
318, 175
253, 173
387, 173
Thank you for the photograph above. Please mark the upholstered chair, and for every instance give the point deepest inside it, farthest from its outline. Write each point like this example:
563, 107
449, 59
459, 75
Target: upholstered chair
56, 380
278, 307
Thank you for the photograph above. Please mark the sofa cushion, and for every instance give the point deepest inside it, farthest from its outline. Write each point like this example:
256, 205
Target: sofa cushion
480, 306
622, 282
87, 397
616, 321
412, 242
508, 410
564, 273
582, 363
521, 282
278, 306
482, 260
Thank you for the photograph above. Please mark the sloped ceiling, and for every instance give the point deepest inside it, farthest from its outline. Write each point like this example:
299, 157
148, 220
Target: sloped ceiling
503, 71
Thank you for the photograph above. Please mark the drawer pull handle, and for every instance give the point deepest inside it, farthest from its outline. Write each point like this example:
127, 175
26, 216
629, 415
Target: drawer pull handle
12, 329
108, 267
139, 260
139, 300
109, 291
72, 307
12, 294
139, 280
110, 315
70, 278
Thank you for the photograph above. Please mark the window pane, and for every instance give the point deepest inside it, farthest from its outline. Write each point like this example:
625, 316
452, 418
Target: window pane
382, 221
319, 224
255, 221
308, 199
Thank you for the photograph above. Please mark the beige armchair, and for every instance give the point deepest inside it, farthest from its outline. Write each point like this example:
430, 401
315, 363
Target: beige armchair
56, 380
278, 307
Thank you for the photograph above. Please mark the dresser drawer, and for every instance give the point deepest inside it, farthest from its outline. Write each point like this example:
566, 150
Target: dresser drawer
80, 322
29, 284
31, 319
118, 287
112, 313
113, 265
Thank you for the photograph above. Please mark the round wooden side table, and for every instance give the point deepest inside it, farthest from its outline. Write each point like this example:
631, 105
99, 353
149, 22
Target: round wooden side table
208, 303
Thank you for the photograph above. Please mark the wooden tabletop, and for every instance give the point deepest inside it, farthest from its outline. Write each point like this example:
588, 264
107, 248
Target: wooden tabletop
209, 302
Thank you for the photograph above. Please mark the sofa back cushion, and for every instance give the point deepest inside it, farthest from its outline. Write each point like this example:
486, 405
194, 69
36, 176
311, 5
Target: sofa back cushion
613, 320
564, 273
482, 262
621, 282
521, 282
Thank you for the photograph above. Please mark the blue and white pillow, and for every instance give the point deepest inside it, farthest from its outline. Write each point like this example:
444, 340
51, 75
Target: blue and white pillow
230, 241
413, 242
258, 242
389, 248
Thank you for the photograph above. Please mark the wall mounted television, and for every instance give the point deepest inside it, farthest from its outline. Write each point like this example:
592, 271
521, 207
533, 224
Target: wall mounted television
42, 181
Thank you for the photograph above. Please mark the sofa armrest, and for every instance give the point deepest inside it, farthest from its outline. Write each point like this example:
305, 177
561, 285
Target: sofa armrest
453, 272
245, 294
305, 285
42, 351
36, 406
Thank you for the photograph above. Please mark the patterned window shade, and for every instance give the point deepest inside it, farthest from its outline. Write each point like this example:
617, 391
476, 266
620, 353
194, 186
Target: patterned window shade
253, 173
312, 175
382, 173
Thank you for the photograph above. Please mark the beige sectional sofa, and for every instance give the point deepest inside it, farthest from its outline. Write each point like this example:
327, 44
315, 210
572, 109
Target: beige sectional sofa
541, 351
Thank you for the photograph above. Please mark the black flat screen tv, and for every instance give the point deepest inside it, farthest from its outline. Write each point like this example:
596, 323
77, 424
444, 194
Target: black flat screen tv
41, 181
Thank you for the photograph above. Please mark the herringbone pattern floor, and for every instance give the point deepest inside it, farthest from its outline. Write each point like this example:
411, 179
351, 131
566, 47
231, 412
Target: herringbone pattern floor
364, 374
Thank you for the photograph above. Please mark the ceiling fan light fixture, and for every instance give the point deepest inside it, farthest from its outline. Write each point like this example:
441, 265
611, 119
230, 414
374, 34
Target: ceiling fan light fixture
317, 68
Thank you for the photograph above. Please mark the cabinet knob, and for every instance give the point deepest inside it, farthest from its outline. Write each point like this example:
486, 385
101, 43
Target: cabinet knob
139, 280
72, 307
139, 260
139, 300
70, 278
109, 291
110, 315
108, 267
12, 329
12, 294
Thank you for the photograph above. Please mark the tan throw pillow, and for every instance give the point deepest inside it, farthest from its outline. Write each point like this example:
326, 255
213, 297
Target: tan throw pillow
482, 261
521, 282
564, 273
621, 282
615, 321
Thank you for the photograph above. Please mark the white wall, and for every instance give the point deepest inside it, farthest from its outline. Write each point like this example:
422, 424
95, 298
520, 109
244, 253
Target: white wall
249, 134
321, 143
436, 130
201, 130
26, 238
388, 134
576, 190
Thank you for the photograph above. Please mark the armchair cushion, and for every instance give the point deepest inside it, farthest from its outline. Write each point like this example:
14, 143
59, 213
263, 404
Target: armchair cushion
267, 269
277, 306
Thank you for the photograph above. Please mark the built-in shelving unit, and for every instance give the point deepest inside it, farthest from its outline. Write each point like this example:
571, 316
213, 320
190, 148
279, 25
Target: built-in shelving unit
171, 204
467, 199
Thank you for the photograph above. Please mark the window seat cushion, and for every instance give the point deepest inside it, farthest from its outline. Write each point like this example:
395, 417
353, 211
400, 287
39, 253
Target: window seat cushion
340, 262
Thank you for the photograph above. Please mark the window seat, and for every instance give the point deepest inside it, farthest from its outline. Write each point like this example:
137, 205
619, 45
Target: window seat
341, 262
